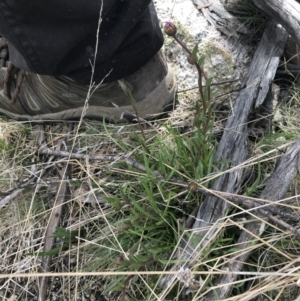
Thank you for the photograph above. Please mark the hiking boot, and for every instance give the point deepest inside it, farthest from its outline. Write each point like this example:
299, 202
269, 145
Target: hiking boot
33, 97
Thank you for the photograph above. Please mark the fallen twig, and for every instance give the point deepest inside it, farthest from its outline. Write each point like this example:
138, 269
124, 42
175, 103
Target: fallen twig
13, 194
126, 159
52, 225
252, 203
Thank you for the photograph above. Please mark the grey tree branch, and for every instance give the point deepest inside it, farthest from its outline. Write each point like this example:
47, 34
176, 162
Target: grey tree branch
10, 196
285, 12
275, 189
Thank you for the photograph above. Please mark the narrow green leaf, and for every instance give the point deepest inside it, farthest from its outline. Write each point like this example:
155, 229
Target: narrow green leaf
201, 61
194, 54
208, 82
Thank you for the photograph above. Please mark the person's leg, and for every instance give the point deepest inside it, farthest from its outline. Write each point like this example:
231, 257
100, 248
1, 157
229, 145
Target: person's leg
58, 37
55, 43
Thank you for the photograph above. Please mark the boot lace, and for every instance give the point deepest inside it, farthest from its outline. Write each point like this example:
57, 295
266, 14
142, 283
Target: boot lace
13, 74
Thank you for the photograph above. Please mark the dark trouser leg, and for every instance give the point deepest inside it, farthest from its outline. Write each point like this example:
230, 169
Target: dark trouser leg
58, 37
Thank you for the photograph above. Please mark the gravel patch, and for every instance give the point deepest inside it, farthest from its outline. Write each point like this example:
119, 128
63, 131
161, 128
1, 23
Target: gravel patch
226, 58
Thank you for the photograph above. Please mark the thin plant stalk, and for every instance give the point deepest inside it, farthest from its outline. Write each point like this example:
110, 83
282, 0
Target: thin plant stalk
205, 94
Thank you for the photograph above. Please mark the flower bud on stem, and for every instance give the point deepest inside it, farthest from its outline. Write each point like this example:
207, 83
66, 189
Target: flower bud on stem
171, 30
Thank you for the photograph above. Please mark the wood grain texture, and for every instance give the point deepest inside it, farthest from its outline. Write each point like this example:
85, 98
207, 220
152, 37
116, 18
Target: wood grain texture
220, 18
285, 12
276, 189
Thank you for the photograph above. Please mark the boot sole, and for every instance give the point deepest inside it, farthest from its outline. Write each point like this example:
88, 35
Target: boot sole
153, 106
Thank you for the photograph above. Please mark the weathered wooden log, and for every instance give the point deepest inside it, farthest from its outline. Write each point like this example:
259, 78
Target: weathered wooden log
219, 17
276, 188
285, 12
233, 147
